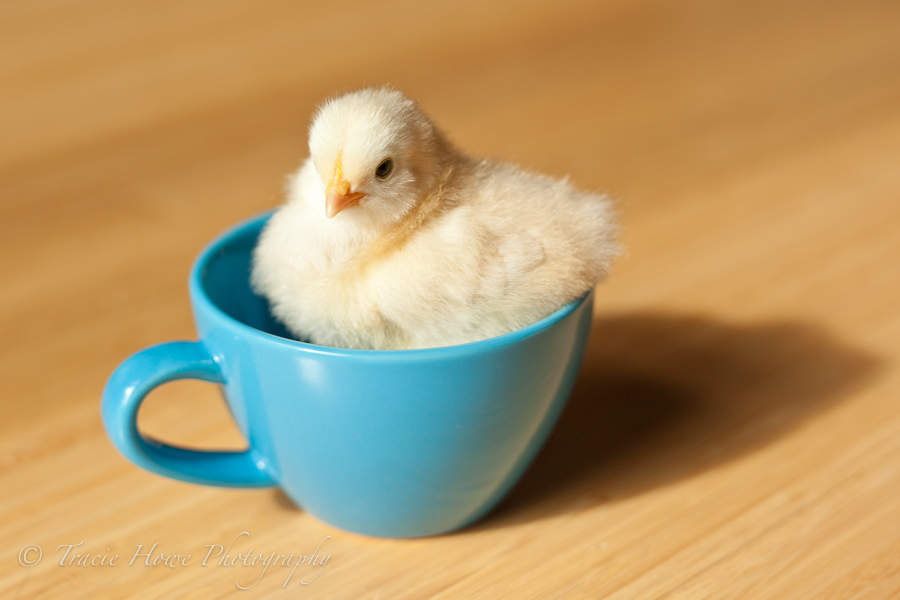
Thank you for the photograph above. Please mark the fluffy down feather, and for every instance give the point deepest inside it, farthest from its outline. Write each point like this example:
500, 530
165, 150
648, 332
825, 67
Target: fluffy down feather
445, 249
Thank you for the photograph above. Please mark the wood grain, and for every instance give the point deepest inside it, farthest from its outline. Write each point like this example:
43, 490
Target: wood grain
735, 429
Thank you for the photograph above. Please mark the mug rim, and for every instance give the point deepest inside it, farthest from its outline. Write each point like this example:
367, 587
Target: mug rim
203, 302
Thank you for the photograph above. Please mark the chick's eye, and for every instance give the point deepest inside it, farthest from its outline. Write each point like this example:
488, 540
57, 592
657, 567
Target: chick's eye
385, 168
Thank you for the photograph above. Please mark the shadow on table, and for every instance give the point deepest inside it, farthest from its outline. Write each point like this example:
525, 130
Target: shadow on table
663, 397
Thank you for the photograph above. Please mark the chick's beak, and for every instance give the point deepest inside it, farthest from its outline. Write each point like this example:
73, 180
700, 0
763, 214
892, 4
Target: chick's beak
338, 197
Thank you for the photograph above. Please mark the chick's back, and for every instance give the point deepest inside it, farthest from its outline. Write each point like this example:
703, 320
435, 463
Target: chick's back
510, 248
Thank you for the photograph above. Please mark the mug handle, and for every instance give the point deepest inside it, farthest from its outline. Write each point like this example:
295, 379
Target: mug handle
122, 398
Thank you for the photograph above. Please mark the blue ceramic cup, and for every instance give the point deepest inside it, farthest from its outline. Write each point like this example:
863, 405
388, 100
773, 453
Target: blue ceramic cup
392, 443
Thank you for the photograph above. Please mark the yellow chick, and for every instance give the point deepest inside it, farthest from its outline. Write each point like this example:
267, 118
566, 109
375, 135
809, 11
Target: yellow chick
391, 238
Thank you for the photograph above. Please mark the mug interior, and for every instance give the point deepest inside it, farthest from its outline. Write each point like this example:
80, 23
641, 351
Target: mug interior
224, 278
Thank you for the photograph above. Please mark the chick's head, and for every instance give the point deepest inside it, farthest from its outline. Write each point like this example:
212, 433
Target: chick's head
377, 155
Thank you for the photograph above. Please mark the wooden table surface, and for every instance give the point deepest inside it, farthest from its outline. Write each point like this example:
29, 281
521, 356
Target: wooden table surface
735, 429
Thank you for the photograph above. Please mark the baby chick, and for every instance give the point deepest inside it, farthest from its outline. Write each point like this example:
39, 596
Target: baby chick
391, 238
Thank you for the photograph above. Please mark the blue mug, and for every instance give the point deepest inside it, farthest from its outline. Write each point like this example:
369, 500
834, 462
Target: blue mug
390, 443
